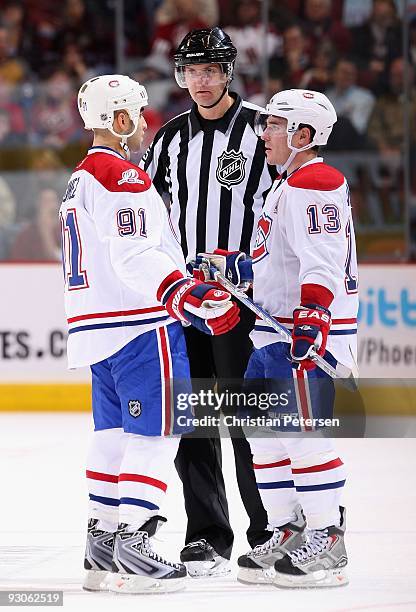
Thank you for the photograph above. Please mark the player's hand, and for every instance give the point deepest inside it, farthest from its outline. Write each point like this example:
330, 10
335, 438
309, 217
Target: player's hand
207, 308
311, 325
234, 265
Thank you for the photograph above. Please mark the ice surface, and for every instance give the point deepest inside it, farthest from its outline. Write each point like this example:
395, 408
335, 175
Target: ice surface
43, 519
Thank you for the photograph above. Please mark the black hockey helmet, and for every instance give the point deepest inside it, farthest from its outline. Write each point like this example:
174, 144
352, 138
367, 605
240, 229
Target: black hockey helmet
207, 46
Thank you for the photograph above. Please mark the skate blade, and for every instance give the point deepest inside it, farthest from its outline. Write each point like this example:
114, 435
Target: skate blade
318, 579
209, 569
96, 580
252, 576
133, 584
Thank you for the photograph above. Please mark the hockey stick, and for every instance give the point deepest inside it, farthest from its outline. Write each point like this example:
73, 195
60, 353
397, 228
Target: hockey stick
341, 372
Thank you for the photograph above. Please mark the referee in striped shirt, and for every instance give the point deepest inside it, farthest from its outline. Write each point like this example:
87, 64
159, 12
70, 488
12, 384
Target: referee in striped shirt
211, 165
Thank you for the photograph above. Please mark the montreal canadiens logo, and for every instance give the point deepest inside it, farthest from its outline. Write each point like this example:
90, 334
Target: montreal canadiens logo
231, 168
130, 176
114, 83
264, 227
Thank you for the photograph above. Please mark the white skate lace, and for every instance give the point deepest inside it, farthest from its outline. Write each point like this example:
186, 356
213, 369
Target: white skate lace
316, 544
147, 549
262, 549
199, 544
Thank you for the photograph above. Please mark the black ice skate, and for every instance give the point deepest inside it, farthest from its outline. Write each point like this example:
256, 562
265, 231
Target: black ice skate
257, 566
137, 568
202, 560
320, 562
98, 557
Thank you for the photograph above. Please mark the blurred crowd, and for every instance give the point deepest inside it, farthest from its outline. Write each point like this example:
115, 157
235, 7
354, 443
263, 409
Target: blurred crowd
350, 49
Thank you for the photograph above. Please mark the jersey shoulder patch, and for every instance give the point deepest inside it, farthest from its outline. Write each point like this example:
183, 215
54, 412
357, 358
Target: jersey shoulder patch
115, 174
319, 177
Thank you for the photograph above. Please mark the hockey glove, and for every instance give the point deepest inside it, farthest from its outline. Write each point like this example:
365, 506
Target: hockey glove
234, 265
204, 306
311, 324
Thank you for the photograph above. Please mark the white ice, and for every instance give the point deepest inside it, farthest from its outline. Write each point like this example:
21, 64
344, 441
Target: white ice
43, 519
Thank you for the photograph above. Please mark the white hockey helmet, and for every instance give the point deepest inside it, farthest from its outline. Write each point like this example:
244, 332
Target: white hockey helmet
100, 97
299, 106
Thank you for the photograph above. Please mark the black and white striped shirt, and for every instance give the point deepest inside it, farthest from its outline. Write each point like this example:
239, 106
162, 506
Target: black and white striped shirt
216, 177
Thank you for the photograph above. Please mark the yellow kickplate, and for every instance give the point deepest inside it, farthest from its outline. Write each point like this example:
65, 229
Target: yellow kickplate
40, 398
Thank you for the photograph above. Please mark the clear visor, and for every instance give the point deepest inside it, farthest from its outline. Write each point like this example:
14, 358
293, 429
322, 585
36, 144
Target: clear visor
211, 75
264, 121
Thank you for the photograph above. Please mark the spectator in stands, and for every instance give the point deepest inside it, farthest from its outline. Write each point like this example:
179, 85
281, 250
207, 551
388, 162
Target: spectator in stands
294, 59
247, 33
12, 68
318, 75
320, 26
75, 65
39, 239
171, 26
350, 101
376, 43
55, 117
83, 31
12, 18
9, 107
44, 23
8, 139
386, 130
386, 126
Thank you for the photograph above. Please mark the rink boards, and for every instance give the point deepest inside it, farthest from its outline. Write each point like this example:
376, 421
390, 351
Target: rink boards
33, 373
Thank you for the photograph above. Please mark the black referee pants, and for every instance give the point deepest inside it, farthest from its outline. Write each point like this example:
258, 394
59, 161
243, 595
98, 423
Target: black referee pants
199, 460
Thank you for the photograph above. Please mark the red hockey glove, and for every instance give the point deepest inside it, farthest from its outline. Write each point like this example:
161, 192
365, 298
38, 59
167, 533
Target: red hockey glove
204, 306
311, 324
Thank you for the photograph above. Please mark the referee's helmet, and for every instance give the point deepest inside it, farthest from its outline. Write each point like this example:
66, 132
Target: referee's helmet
207, 46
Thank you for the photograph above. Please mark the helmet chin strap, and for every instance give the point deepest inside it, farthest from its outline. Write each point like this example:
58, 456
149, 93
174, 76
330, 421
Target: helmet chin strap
285, 166
224, 91
293, 154
124, 137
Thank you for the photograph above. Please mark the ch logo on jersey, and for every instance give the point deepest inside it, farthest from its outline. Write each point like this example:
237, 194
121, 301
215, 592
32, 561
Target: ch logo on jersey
135, 408
231, 168
264, 227
130, 176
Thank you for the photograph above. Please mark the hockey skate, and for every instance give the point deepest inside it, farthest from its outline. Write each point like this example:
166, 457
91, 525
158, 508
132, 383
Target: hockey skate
257, 566
137, 568
98, 557
201, 560
320, 562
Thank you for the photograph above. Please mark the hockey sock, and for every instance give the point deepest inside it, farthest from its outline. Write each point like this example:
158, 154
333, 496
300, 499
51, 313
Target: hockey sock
103, 466
272, 469
144, 474
319, 476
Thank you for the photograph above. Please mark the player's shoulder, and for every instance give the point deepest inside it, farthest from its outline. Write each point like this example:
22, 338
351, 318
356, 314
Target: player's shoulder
114, 173
318, 176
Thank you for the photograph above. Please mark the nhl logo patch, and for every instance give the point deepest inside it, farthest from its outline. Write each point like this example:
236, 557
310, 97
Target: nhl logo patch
135, 408
231, 168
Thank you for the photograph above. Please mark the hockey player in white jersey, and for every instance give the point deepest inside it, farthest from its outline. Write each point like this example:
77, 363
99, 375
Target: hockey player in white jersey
305, 274
126, 296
